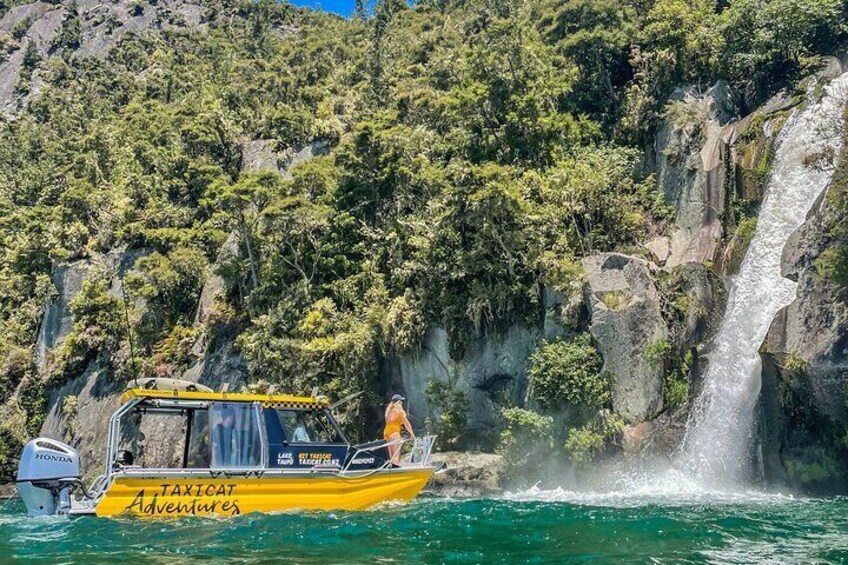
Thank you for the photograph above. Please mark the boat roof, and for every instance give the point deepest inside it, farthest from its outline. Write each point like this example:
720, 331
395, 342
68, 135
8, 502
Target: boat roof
267, 400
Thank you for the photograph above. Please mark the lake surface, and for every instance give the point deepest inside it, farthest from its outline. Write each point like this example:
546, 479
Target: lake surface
531, 527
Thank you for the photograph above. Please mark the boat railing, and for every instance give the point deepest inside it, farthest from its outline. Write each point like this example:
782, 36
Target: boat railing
417, 457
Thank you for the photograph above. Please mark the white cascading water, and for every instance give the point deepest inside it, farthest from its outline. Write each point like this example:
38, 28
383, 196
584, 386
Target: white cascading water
716, 450
713, 462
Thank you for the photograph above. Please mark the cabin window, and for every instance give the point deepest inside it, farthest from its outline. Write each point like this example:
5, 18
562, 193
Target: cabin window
311, 426
236, 440
198, 455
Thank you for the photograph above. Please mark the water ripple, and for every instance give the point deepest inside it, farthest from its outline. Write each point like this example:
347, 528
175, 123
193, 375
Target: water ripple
534, 526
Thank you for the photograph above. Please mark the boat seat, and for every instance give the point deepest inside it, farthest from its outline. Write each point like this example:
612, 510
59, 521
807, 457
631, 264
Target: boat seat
125, 459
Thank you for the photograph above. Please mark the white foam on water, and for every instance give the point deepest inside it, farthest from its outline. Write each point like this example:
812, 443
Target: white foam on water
671, 487
695, 496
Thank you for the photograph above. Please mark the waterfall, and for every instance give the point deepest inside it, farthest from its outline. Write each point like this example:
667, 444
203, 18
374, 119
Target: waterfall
716, 449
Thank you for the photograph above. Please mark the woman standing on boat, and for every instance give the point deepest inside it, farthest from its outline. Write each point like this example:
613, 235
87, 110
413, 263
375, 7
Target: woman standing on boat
395, 419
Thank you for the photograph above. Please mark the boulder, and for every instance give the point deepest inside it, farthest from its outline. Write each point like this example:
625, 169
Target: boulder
467, 474
660, 248
635, 438
627, 324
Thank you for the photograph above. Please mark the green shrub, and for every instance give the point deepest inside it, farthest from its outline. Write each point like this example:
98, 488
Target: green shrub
10, 449
795, 362
614, 300
70, 36
99, 326
70, 409
676, 391
833, 264
568, 371
527, 443
172, 355
656, 352
171, 284
8, 44
32, 401
31, 59
222, 321
404, 326
20, 28
746, 228
452, 407
331, 350
584, 443
15, 367
677, 383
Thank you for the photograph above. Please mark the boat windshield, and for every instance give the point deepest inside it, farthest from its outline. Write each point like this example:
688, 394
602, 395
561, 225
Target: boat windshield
311, 426
236, 440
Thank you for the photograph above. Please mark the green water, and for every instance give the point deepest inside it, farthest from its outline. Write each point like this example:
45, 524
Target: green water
547, 529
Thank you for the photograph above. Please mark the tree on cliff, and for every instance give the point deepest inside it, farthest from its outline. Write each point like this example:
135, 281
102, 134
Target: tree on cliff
477, 150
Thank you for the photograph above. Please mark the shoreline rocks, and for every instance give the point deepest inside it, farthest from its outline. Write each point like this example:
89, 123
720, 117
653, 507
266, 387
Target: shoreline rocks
469, 474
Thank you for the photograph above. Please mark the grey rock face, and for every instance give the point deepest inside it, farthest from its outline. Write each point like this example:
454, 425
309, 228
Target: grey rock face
692, 170
102, 26
57, 320
704, 292
259, 155
812, 330
213, 288
10, 71
97, 397
626, 321
492, 365
22, 13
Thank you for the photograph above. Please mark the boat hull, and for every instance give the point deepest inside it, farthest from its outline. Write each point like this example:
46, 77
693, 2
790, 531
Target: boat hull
164, 496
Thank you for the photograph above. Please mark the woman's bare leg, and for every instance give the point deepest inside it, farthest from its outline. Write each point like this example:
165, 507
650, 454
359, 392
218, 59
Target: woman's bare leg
394, 450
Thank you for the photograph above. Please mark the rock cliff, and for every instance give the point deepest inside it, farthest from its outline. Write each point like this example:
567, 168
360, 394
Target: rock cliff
650, 308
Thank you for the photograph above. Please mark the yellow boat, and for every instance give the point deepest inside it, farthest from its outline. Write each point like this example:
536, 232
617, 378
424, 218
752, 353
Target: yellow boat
241, 453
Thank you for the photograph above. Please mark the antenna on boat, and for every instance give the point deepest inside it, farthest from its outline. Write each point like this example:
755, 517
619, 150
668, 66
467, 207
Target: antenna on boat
129, 333
346, 399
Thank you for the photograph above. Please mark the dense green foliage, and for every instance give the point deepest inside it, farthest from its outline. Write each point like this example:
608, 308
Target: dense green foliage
571, 420
476, 151
568, 371
527, 443
452, 408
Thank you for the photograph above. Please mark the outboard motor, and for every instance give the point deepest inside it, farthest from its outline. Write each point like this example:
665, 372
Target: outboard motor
48, 473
